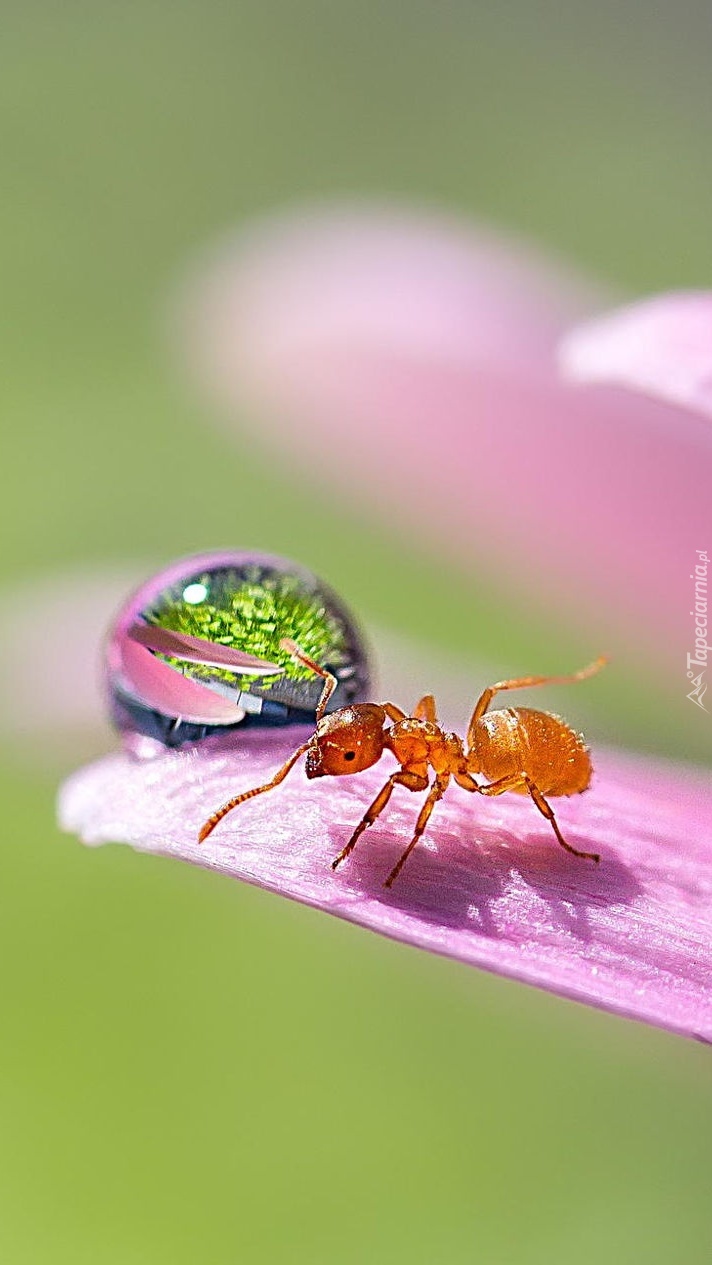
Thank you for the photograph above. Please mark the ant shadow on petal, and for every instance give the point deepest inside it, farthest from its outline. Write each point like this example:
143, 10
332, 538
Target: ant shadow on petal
573, 890
455, 879
439, 884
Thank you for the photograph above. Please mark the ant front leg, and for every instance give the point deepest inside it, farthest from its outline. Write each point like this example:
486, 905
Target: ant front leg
513, 782
413, 781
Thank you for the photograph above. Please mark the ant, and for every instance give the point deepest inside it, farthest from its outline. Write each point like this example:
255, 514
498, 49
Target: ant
516, 749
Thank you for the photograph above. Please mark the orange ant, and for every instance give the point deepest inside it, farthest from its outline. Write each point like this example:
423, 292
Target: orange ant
517, 749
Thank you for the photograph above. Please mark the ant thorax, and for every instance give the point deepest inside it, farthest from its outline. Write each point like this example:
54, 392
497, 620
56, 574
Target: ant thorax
417, 743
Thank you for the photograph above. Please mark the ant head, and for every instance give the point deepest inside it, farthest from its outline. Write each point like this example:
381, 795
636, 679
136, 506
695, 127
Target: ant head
347, 741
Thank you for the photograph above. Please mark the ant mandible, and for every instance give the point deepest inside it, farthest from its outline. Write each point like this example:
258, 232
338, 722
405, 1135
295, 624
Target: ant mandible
516, 749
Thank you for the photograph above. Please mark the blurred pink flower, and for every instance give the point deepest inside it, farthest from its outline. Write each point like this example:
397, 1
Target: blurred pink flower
660, 346
488, 884
410, 362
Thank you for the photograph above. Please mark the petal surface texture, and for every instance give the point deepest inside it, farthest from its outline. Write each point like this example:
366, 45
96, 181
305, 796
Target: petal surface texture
489, 885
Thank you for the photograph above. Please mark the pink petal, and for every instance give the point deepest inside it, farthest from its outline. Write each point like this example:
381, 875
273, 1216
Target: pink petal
198, 650
162, 687
488, 886
371, 279
661, 346
409, 363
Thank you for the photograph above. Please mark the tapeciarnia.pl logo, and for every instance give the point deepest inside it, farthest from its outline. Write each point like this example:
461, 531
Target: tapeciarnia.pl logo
702, 649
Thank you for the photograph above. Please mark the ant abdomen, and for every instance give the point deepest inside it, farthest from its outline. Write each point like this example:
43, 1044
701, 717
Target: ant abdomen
540, 744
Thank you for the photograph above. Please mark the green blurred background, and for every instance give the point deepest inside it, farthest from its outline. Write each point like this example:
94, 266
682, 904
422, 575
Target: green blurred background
192, 1070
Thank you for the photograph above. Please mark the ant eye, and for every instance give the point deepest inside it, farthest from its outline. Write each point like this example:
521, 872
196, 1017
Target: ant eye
349, 755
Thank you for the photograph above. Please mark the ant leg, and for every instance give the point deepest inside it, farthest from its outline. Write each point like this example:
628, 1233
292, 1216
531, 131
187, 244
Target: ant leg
437, 791
425, 710
547, 811
524, 682
217, 816
393, 712
330, 681
414, 782
515, 781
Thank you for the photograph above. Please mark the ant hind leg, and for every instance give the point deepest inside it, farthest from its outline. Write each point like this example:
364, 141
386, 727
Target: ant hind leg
547, 811
515, 781
524, 682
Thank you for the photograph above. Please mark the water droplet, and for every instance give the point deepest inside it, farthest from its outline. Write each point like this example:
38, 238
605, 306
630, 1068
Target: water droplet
196, 650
